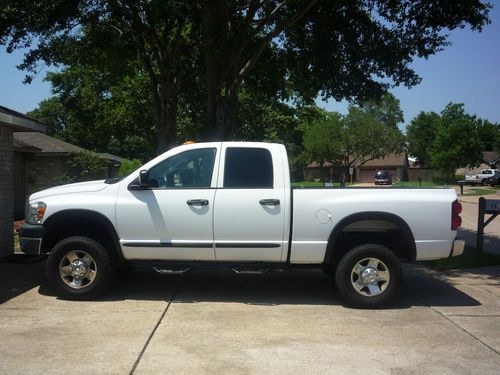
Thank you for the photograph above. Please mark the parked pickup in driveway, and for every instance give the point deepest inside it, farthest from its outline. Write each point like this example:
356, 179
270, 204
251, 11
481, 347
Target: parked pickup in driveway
231, 205
481, 178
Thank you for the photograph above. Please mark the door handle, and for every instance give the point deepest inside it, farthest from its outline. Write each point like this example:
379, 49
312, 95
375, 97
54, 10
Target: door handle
270, 202
197, 202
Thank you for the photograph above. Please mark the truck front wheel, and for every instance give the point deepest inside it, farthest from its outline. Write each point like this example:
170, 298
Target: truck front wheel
369, 276
79, 268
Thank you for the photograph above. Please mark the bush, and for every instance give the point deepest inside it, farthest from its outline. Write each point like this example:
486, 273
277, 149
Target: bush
128, 166
84, 166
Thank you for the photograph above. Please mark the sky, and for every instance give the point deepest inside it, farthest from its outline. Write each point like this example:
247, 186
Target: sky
466, 72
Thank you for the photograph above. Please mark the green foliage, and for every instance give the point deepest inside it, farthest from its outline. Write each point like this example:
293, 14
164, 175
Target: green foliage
457, 142
468, 259
350, 140
420, 135
84, 166
283, 50
490, 135
128, 166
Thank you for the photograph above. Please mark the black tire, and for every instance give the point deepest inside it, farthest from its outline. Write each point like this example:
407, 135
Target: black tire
97, 262
388, 265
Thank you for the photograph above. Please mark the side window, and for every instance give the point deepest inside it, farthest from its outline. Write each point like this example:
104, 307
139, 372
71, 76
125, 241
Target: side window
248, 168
189, 169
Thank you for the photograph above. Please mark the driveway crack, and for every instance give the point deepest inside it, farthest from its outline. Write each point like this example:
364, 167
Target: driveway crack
155, 328
452, 322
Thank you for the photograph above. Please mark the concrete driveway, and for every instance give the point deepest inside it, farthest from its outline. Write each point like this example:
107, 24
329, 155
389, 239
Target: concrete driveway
222, 323
279, 323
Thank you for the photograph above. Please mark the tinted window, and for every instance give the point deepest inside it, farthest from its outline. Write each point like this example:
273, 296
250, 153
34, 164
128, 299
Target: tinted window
189, 169
382, 174
248, 168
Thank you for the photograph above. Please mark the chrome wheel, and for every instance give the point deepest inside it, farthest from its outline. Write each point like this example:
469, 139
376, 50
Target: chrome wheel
77, 269
370, 277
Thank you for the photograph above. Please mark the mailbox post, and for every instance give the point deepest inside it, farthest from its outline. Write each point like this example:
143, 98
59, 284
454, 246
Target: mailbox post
490, 206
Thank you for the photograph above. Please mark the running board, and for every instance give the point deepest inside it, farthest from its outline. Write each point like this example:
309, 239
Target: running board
251, 271
164, 271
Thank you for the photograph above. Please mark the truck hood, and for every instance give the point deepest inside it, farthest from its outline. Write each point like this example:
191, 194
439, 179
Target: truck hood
80, 187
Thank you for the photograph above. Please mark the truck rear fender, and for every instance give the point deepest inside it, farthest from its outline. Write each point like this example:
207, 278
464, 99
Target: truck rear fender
373, 227
87, 223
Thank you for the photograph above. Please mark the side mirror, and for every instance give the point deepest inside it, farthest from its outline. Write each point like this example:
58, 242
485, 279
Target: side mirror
144, 178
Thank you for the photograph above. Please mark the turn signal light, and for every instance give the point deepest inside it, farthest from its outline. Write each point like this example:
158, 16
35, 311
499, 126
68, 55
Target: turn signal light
456, 220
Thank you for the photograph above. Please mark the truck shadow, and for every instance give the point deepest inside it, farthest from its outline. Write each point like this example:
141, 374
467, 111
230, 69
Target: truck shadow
295, 287
421, 287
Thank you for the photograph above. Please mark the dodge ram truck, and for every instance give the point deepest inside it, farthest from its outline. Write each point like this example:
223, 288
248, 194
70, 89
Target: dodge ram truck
230, 205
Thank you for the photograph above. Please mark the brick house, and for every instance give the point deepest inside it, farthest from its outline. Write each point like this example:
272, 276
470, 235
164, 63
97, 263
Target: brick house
396, 164
10, 121
39, 160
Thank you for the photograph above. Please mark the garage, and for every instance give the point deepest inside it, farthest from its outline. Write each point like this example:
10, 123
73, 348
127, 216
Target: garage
396, 164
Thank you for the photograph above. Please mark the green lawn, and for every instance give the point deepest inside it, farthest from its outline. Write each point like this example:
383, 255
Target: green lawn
469, 259
308, 184
415, 184
478, 191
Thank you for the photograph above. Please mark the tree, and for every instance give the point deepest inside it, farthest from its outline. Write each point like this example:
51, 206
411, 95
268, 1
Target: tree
99, 113
386, 109
490, 135
284, 48
420, 135
457, 143
108, 35
351, 140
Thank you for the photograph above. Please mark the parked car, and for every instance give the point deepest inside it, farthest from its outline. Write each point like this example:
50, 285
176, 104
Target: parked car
383, 177
493, 180
231, 205
480, 178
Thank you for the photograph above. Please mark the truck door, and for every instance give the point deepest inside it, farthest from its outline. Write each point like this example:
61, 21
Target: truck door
250, 205
172, 218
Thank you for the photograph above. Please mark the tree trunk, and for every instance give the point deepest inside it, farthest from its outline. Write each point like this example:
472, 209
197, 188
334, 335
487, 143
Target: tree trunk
225, 118
166, 134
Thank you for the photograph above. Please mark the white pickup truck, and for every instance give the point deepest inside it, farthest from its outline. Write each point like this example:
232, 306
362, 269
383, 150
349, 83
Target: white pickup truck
481, 178
231, 205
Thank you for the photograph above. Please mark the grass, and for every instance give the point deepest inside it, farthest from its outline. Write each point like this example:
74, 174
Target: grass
478, 191
308, 184
415, 184
469, 259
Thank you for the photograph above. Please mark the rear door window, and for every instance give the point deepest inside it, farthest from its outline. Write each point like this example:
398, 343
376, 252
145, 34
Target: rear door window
248, 168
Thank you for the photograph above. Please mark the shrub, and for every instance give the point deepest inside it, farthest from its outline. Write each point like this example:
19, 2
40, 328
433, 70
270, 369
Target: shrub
84, 166
128, 166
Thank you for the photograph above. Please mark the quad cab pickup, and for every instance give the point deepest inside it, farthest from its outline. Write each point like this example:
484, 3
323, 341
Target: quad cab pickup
481, 178
231, 205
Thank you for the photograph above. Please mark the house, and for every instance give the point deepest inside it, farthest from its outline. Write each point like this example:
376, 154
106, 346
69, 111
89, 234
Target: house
396, 164
10, 121
40, 160
491, 159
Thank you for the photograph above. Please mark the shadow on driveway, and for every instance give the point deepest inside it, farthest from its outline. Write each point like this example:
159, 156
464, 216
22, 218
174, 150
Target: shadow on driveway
296, 287
20, 273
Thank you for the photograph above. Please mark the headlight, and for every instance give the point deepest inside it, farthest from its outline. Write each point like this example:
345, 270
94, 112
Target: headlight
35, 212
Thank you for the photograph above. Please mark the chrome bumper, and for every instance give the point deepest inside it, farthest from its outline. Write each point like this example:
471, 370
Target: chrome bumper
458, 248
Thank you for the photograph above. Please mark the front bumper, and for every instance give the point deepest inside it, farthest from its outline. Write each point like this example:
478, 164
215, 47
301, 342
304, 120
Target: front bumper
458, 248
30, 238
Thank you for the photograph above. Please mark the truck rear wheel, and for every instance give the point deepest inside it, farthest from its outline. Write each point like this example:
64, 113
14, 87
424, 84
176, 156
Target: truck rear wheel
369, 276
79, 268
